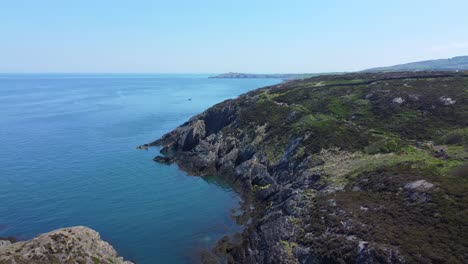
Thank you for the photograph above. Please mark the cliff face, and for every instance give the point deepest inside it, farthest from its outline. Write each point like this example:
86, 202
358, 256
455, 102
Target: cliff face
357, 168
68, 245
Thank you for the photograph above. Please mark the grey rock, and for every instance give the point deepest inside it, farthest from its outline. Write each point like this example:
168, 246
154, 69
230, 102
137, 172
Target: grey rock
418, 191
67, 245
162, 159
420, 185
4, 243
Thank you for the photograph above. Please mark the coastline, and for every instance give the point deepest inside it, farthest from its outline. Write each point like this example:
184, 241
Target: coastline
219, 142
103, 182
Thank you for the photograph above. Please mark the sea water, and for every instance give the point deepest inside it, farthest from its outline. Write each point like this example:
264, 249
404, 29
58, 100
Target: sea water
68, 157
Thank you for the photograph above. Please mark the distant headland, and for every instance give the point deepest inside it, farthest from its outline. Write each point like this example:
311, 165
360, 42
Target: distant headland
459, 63
284, 76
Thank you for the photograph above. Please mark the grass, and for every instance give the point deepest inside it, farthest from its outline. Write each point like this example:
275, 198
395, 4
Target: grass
311, 122
338, 108
418, 158
264, 187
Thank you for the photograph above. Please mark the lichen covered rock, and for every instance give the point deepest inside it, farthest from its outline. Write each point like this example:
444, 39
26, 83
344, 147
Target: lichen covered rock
67, 245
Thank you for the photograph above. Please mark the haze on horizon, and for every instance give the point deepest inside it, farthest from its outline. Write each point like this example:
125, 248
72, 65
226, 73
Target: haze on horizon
213, 36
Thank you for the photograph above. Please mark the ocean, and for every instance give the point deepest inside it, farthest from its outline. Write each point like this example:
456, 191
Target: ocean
68, 157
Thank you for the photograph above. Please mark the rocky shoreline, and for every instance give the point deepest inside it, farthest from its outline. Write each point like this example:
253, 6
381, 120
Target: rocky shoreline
339, 169
67, 245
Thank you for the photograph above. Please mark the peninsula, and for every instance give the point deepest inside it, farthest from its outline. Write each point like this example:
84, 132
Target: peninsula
353, 168
284, 76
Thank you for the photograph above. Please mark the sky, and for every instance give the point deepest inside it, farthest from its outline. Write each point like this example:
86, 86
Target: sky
152, 36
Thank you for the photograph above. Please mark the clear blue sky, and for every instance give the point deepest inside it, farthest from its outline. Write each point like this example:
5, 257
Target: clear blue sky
220, 36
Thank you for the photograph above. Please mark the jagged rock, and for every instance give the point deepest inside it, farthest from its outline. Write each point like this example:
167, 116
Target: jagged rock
162, 159
67, 245
194, 134
144, 146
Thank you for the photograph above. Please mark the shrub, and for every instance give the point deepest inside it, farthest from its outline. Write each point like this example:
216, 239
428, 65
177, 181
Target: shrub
385, 145
461, 171
455, 137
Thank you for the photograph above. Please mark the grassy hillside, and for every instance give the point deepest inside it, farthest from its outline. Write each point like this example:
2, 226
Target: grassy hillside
364, 167
453, 64
375, 138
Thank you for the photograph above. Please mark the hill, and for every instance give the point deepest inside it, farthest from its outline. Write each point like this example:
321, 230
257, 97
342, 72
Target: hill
459, 63
284, 76
354, 168
453, 64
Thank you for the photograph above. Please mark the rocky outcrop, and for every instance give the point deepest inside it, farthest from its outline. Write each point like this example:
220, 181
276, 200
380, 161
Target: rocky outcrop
4, 243
67, 245
336, 170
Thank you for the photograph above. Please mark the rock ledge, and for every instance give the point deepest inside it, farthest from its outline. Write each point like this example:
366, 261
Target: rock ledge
67, 245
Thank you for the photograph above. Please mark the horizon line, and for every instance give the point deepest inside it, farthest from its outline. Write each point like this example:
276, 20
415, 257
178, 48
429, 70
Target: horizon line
245, 72
200, 73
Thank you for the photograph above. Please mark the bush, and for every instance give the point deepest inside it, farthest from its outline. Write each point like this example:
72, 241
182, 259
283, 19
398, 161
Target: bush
455, 137
386, 145
461, 171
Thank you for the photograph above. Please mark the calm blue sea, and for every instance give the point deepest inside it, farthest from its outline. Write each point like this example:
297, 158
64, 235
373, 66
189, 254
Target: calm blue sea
68, 157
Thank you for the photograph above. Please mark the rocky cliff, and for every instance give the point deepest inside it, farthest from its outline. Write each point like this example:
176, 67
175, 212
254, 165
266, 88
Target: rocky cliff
355, 168
68, 245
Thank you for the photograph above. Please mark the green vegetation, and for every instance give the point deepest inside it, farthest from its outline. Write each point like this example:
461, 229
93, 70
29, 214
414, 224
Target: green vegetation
96, 260
456, 63
338, 108
374, 194
310, 122
363, 167
368, 140
455, 137
288, 246
385, 145
340, 111
340, 82
260, 187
